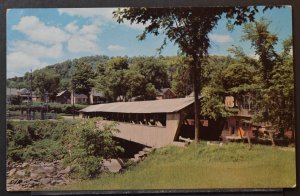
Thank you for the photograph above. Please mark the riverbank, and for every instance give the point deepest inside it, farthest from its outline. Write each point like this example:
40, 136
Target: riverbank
202, 166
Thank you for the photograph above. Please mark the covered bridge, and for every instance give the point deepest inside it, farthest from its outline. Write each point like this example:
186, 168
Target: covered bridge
152, 123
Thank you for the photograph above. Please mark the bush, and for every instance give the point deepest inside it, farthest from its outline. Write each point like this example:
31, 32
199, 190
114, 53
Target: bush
54, 107
93, 143
41, 140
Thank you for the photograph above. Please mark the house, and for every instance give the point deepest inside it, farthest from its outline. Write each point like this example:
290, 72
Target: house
96, 97
78, 98
35, 97
238, 124
152, 123
165, 93
22, 94
64, 97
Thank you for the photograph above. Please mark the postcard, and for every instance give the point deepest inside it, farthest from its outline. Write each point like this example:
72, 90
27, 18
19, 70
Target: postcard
150, 98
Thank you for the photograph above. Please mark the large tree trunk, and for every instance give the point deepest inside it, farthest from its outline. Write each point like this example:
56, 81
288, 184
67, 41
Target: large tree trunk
196, 100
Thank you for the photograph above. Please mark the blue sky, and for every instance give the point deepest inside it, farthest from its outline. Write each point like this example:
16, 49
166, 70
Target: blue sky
40, 37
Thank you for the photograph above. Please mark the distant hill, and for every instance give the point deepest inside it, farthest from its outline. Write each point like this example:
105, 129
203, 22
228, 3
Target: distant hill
64, 69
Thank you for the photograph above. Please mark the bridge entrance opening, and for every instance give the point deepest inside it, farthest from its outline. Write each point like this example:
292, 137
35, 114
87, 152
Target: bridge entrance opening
130, 148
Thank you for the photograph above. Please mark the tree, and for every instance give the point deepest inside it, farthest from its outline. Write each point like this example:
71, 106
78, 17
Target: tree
134, 81
111, 79
263, 42
188, 28
82, 79
275, 100
182, 83
46, 82
155, 76
240, 79
214, 91
280, 95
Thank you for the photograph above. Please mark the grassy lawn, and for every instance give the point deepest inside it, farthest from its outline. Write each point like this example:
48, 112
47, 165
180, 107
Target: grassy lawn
200, 166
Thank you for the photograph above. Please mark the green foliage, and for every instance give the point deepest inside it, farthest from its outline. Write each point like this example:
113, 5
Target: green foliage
45, 81
280, 96
91, 142
122, 80
82, 79
287, 46
182, 77
54, 107
213, 105
82, 144
35, 138
45, 150
112, 80
275, 96
263, 42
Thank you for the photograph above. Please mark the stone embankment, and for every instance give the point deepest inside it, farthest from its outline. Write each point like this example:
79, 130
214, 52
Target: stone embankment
36, 174
39, 175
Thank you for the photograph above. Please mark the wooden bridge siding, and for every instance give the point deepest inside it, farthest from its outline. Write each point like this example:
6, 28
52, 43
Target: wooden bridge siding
150, 135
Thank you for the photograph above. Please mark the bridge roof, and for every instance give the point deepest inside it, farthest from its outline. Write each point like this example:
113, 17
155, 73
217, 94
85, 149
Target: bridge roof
144, 107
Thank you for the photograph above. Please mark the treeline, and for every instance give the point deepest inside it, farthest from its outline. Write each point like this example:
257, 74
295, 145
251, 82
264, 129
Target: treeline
268, 79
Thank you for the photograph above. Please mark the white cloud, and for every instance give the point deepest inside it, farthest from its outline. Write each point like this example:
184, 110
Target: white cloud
72, 27
37, 50
20, 62
220, 38
38, 31
98, 14
88, 12
115, 48
25, 55
85, 39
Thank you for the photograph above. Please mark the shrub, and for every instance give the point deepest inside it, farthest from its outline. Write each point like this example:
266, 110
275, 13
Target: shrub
33, 140
93, 142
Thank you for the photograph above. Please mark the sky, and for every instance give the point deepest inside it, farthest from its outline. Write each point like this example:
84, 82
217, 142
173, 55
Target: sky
40, 37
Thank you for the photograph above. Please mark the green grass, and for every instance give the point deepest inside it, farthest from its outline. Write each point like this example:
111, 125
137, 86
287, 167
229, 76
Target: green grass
200, 166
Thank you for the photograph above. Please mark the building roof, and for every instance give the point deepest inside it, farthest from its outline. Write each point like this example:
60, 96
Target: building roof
24, 91
154, 106
61, 93
163, 91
